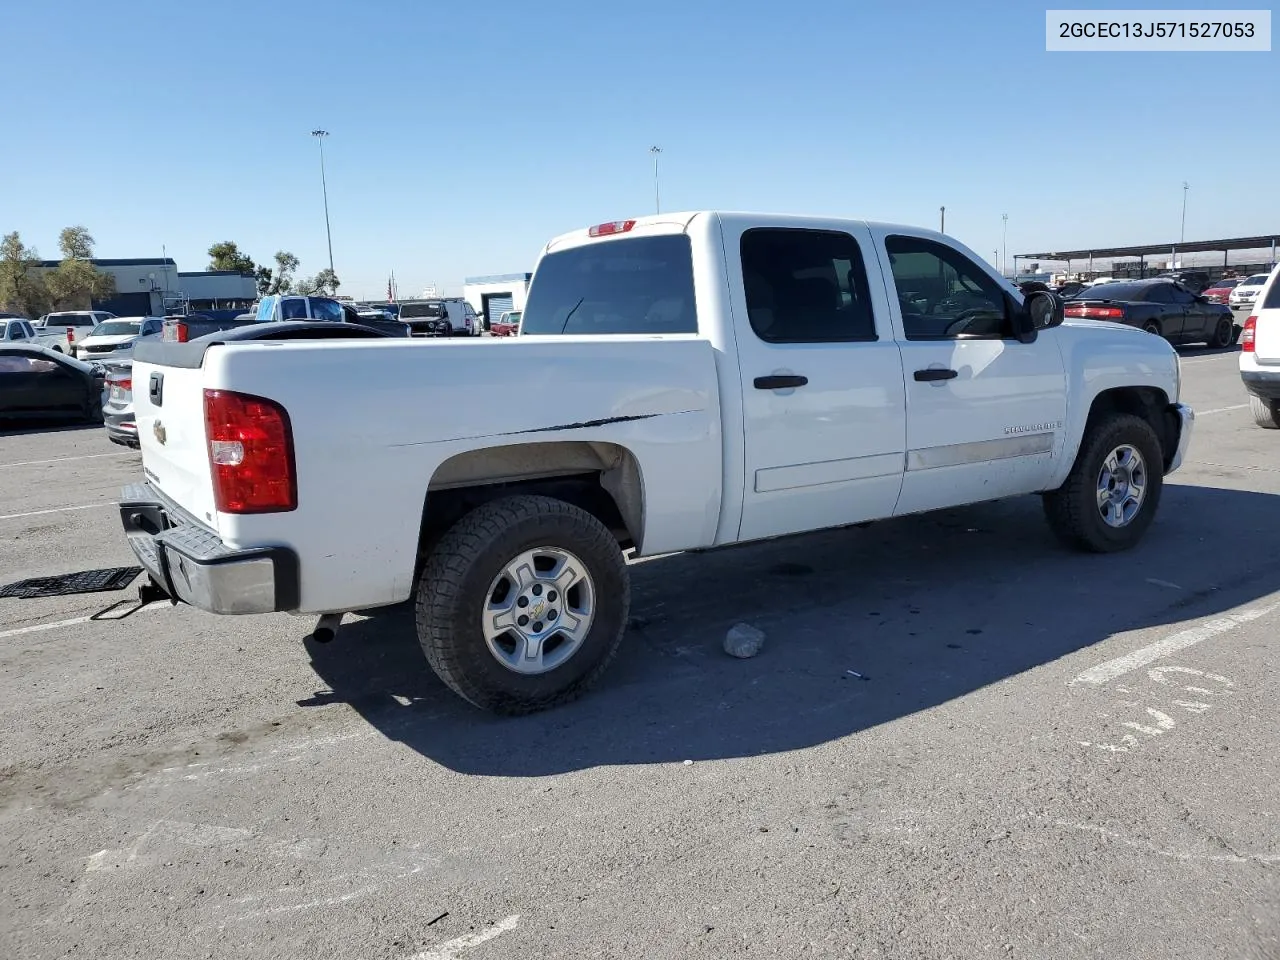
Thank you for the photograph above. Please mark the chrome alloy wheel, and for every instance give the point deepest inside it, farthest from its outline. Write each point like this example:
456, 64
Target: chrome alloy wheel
1122, 486
538, 610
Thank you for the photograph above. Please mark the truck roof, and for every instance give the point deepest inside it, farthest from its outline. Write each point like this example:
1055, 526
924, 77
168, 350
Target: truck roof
678, 222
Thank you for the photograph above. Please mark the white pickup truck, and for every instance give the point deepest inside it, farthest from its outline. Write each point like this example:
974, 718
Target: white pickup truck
680, 381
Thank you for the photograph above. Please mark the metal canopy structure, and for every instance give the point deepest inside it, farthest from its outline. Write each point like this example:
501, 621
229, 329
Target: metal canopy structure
1155, 249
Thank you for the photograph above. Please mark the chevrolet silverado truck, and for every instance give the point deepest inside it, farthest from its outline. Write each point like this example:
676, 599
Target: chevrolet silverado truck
681, 381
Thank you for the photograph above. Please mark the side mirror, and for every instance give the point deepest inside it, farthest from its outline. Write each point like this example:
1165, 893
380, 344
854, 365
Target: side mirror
1041, 310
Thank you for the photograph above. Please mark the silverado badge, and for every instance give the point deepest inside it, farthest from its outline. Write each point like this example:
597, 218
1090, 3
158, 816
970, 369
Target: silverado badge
158, 429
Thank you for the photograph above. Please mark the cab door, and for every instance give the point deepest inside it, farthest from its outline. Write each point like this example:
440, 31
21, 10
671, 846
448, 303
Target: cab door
986, 412
821, 378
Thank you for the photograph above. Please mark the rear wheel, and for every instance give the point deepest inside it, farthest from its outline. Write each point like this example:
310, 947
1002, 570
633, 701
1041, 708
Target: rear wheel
1152, 327
522, 604
1112, 493
1266, 413
1224, 333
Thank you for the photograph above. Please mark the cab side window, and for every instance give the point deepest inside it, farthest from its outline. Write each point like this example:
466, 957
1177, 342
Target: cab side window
806, 286
330, 310
943, 294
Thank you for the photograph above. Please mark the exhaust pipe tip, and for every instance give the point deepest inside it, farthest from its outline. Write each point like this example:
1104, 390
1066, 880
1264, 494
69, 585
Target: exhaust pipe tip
327, 628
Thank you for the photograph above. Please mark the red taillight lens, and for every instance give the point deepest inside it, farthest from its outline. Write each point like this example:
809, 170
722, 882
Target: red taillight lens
180, 332
124, 383
71, 334
608, 229
1248, 335
1094, 313
250, 453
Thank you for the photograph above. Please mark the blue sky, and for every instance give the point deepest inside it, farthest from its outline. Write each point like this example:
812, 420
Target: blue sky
464, 135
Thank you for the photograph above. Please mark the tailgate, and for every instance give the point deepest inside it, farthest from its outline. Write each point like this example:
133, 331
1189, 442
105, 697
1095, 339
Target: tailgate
168, 405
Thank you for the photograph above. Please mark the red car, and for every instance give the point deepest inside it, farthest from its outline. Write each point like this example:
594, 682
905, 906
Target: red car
1220, 290
508, 325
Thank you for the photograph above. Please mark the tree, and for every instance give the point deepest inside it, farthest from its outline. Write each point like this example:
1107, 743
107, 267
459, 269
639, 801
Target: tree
22, 289
75, 282
327, 282
227, 256
264, 280
286, 266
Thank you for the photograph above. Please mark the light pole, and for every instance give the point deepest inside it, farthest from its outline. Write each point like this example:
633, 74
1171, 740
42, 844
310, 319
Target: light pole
1004, 243
657, 204
1182, 238
942, 225
320, 135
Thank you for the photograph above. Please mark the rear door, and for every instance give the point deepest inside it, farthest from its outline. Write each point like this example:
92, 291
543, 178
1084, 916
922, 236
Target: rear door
1267, 310
821, 378
986, 413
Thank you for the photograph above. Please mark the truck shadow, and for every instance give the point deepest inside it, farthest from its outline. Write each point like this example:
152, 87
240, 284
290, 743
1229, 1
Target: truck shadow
864, 626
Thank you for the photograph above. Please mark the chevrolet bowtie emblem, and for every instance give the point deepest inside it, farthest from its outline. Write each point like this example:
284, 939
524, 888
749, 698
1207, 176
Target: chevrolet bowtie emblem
158, 429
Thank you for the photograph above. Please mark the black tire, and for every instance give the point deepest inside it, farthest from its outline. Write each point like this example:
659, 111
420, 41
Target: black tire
57, 349
1224, 334
1072, 510
454, 587
1266, 413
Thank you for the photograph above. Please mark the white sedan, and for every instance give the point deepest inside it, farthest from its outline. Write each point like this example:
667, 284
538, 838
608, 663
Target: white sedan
115, 337
1247, 290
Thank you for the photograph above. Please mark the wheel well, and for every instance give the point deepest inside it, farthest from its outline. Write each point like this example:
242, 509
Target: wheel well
600, 478
1149, 403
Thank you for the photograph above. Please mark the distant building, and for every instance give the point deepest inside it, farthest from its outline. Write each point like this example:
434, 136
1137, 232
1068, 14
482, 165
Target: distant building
496, 294
144, 284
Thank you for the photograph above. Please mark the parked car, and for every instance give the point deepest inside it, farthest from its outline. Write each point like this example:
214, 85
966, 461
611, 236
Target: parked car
1162, 307
424, 316
14, 329
277, 308
507, 325
118, 413
116, 337
1197, 281
1260, 354
1220, 291
40, 383
60, 331
1247, 290
631, 413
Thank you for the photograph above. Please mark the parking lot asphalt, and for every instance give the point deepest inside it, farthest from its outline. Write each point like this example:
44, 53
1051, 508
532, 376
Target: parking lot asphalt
960, 740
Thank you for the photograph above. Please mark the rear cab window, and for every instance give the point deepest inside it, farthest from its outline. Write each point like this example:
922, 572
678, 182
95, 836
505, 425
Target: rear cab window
635, 285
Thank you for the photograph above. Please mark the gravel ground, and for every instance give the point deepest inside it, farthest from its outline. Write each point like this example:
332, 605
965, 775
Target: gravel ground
959, 741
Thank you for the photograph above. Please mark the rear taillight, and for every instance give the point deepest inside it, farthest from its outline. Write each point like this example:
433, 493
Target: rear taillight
124, 383
250, 453
180, 332
1248, 335
71, 334
1094, 313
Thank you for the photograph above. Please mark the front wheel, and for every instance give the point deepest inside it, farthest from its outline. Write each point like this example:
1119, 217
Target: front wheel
1113, 490
1266, 413
522, 604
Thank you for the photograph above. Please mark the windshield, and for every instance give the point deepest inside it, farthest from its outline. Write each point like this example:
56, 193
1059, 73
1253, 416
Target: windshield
1112, 291
1255, 281
1224, 284
116, 328
416, 311
635, 285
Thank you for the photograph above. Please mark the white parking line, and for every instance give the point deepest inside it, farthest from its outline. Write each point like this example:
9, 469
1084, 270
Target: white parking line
87, 456
1205, 413
1104, 672
40, 627
38, 513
